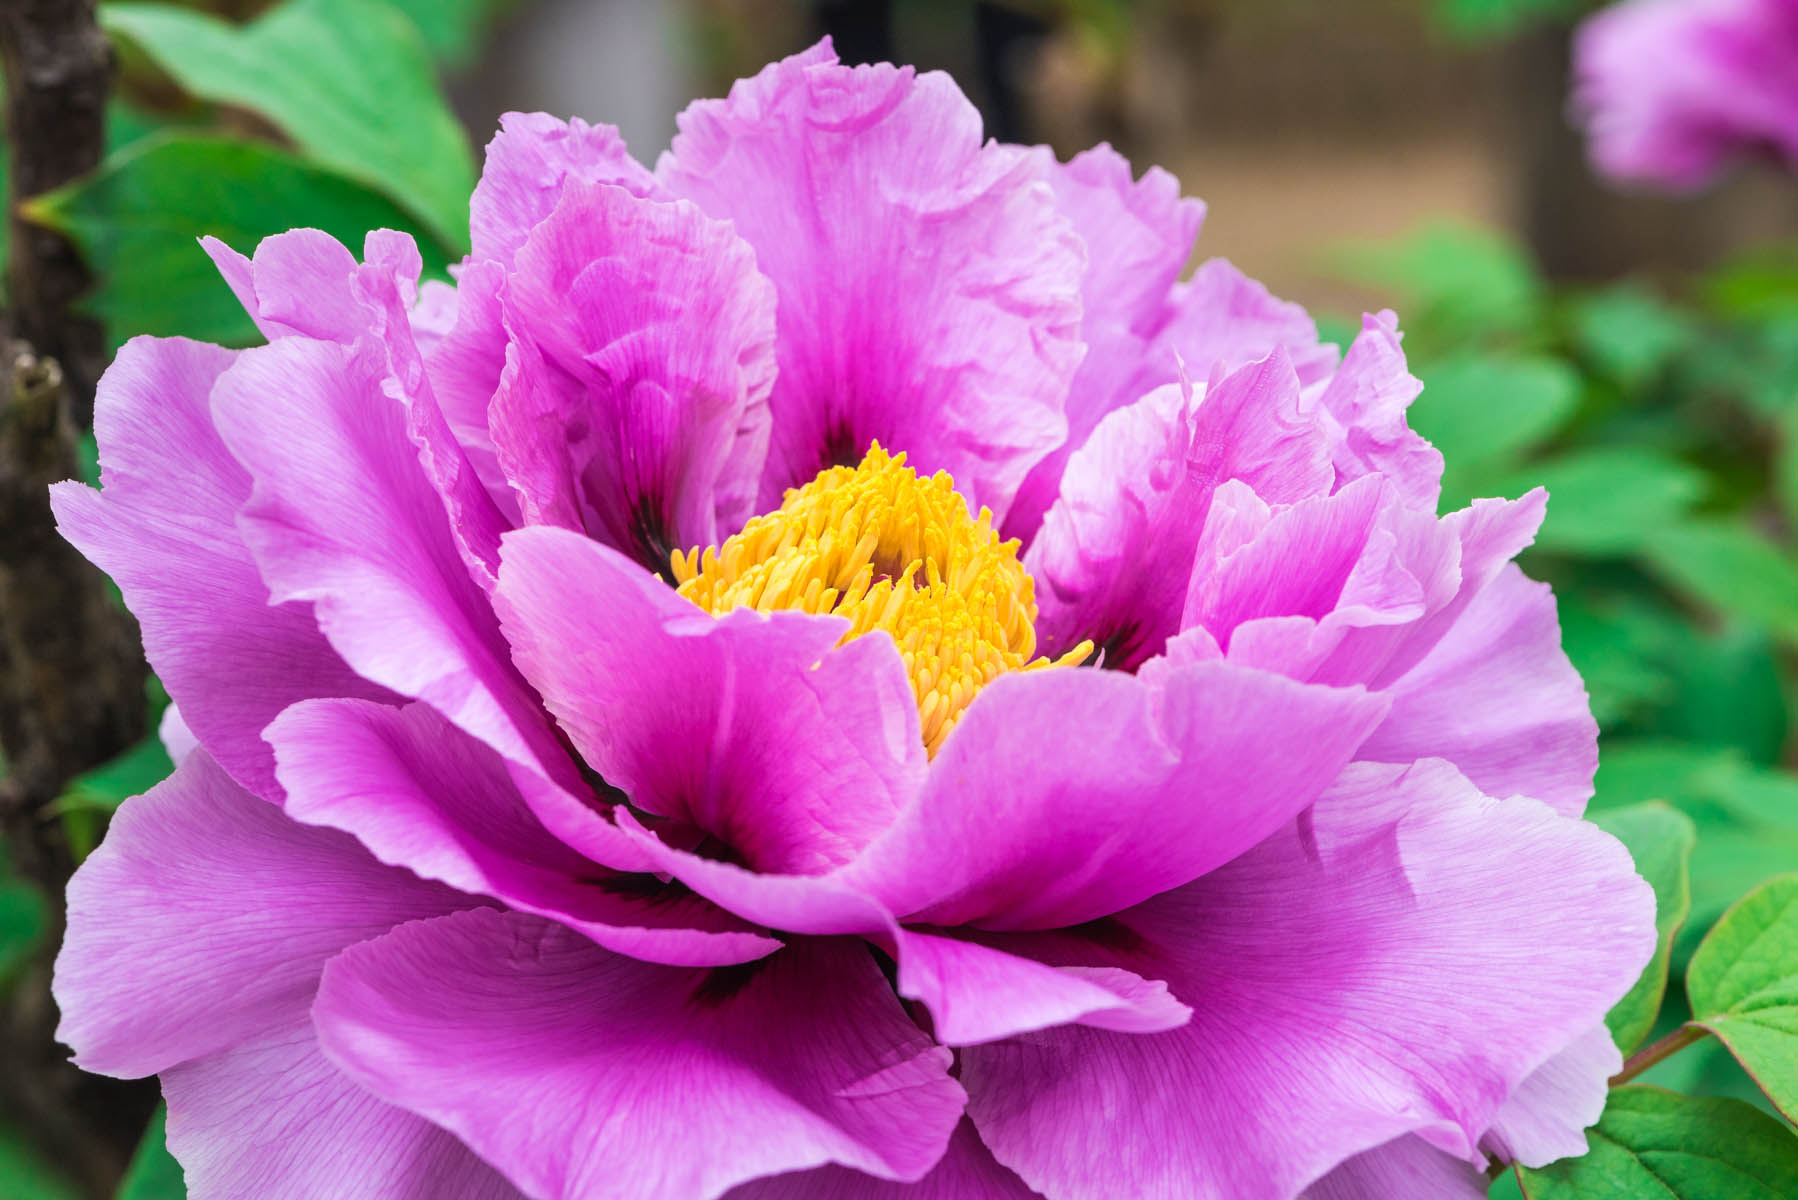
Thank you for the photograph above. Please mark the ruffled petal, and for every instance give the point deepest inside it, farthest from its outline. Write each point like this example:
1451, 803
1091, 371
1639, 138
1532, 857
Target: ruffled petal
530, 162
164, 526
756, 728
641, 1081
1353, 979
343, 515
1365, 403
1547, 1116
967, 1171
270, 1117
205, 917
639, 413
929, 291
1406, 1168
1065, 795
1113, 556
1498, 697
421, 794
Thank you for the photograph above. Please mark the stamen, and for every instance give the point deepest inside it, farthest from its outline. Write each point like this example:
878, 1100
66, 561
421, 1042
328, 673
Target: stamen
888, 550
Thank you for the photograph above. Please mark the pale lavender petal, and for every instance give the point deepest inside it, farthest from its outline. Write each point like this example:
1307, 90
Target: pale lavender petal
270, 1117
177, 739
1498, 697
423, 795
205, 918
466, 366
1113, 556
1671, 90
1406, 1168
929, 290
530, 161
967, 1171
757, 728
1352, 979
644, 419
1024, 824
164, 526
641, 1081
1547, 1116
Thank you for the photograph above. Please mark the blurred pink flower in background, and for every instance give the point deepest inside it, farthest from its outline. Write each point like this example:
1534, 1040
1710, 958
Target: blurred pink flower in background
624, 760
1672, 91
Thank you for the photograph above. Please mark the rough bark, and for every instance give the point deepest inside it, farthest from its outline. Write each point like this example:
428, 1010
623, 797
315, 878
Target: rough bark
71, 672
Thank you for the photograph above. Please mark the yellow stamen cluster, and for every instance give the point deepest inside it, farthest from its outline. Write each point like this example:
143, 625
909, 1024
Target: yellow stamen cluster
888, 550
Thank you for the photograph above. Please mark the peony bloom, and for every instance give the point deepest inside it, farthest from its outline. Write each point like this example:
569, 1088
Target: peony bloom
1671, 90
826, 670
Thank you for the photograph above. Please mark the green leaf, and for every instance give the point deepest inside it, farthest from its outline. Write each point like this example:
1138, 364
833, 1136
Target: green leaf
1660, 840
1460, 284
1743, 985
1651, 1143
24, 1175
1733, 568
137, 218
350, 81
1630, 334
1608, 501
154, 1174
112, 783
1483, 411
23, 919
1499, 18
452, 29
1617, 643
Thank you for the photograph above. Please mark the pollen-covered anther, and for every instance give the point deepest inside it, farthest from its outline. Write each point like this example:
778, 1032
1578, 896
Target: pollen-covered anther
888, 550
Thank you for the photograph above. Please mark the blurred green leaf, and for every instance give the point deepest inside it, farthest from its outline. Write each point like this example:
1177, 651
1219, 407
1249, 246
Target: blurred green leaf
1629, 333
1732, 568
1747, 816
1743, 987
1651, 1143
153, 1174
1761, 282
453, 29
1608, 501
1500, 18
109, 785
1617, 643
350, 81
1726, 691
1785, 466
1483, 411
137, 218
24, 916
1660, 841
1460, 285
24, 1175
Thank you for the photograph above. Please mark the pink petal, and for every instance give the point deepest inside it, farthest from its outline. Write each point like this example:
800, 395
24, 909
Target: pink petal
967, 1171
205, 917
530, 162
1365, 403
928, 288
1406, 1168
641, 1081
1498, 698
756, 728
423, 795
165, 528
640, 411
1546, 1117
1353, 979
1113, 556
271, 1117
1065, 795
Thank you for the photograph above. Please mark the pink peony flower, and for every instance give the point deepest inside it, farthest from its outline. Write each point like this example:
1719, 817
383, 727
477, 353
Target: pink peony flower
1671, 90
628, 762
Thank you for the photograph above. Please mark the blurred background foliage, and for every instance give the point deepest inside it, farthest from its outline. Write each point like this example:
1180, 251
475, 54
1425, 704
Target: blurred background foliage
1635, 354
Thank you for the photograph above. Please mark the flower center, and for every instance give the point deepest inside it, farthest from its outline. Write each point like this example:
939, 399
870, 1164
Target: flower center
888, 550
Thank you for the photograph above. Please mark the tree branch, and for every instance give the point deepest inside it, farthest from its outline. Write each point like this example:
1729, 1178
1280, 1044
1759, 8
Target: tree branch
58, 69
